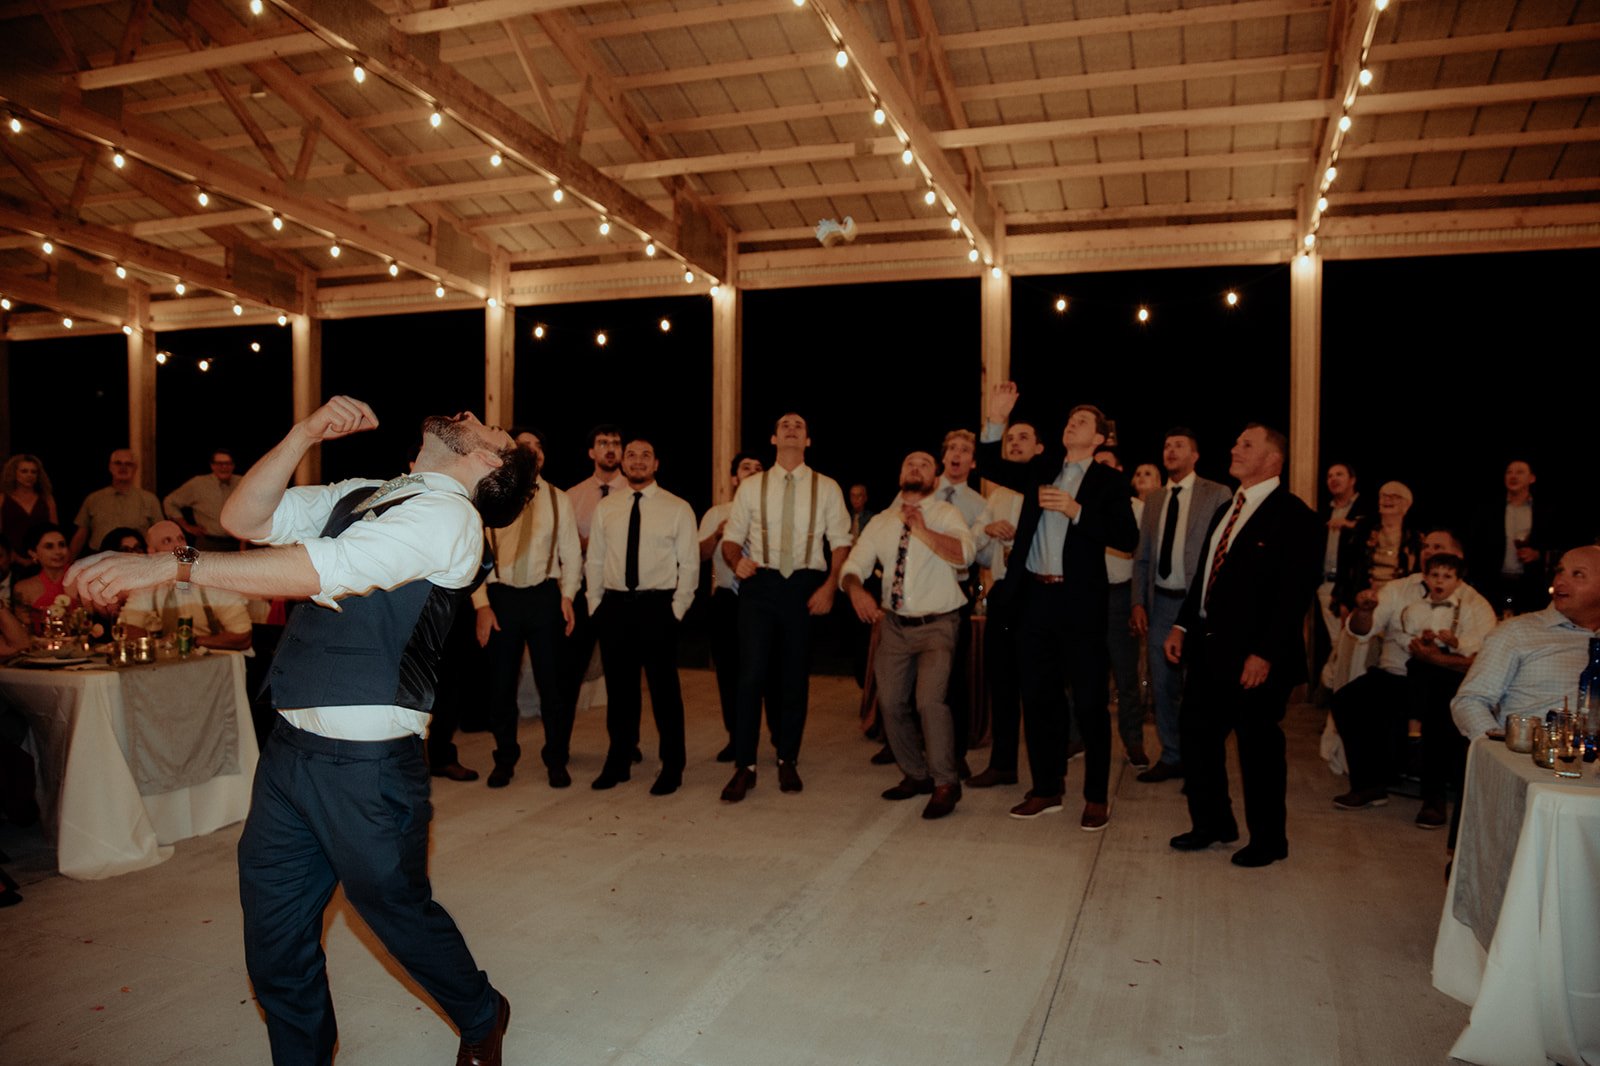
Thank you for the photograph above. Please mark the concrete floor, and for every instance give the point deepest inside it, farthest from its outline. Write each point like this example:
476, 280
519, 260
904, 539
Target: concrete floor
828, 927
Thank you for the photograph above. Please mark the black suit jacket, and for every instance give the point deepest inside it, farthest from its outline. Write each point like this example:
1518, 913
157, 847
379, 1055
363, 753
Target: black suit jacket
1106, 522
1486, 542
1261, 595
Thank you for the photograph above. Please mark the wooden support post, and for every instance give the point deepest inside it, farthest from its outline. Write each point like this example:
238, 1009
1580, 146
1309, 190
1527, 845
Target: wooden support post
142, 370
307, 336
995, 316
727, 386
499, 346
1305, 374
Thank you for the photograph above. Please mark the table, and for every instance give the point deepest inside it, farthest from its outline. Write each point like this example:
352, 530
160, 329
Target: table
88, 791
1519, 936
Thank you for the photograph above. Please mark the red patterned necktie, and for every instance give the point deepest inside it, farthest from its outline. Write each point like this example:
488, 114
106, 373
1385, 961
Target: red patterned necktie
1222, 548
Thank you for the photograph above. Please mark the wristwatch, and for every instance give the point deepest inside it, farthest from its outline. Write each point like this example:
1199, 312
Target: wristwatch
186, 557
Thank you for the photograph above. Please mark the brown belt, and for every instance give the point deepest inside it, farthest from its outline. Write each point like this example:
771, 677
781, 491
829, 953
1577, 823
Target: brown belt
1047, 579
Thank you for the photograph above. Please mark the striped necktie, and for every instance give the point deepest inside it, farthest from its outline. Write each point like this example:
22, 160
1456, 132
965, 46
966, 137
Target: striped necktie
1222, 548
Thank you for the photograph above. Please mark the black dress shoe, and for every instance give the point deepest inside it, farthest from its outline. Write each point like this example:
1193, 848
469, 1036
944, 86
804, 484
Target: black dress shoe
610, 777
990, 778
743, 781
638, 756
882, 757
1161, 771
667, 782
559, 778
942, 802
909, 787
454, 771
486, 1052
1254, 854
500, 776
789, 777
726, 754
1199, 840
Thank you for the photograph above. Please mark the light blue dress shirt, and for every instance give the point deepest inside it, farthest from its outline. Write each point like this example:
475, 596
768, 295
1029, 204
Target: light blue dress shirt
1044, 554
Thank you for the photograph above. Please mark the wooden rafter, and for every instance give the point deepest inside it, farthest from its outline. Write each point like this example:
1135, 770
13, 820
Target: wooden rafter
308, 150
536, 80
252, 128
1350, 35
934, 58
29, 174
580, 115
290, 44
58, 29
44, 292
80, 187
133, 30
473, 13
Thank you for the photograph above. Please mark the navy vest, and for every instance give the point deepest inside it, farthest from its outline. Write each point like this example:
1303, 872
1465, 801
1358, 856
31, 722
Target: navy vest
382, 648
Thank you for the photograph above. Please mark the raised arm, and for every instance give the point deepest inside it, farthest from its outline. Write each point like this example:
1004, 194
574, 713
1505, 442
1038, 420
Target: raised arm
248, 512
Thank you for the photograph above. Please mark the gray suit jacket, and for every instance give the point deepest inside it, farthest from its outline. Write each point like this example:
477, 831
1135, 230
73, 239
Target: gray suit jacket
1208, 496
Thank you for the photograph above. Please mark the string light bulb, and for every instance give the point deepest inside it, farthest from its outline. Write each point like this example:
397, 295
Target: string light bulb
558, 195
394, 269
601, 338
538, 332
435, 119
1231, 298
1381, 5
605, 227
66, 321
283, 320
5, 303
127, 331
161, 359
255, 346
118, 160
650, 249
1322, 205
238, 309
841, 59
180, 288
929, 197
203, 197
1329, 175
1345, 123
906, 157
360, 74
799, 3
879, 117
496, 159
493, 303
334, 249
15, 124
666, 325
715, 288
1144, 315
47, 248
277, 222
955, 225
122, 272
1061, 305
972, 255
688, 277
994, 272
205, 365
256, 7
438, 291
1365, 77
1310, 240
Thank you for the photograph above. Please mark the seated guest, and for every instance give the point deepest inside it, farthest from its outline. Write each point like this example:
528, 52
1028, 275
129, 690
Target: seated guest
220, 617
1531, 663
1431, 625
922, 543
31, 597
126, 540
1510, 541
197, 504
1379, 549
25, 500
5, 575
119, 505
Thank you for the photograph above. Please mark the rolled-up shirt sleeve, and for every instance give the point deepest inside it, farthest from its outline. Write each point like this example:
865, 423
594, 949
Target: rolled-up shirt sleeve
304, 510
436, 536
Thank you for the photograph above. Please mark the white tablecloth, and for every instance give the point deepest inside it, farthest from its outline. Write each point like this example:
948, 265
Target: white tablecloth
1535, 988
103, 826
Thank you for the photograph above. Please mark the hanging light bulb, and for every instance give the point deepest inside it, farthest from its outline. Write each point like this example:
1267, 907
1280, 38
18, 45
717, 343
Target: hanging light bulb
127, 331
972, 255
256, 7
283, 320
955, 225
255, 346
180, 288
493, 303
1381, 5
67, 322
15, 124
1143, 315
650, 248
5, 303
1365, 77
1322, 205
666, 325
1231, 299
118, 160
438, 291
841, 59
47, 248
394, 269
715, 288
929, 197
334, 249
435, 119
688, 277
122, 272
495, 159
600, 338
1345, 123
1061, 304
203, 197
879, 117
1329, 175
538, 332
799, 3
906, 157
205, 365
277, 222
558, 195
1310, 240
360, 74
161, 359
605, 227
238, 309
994, 272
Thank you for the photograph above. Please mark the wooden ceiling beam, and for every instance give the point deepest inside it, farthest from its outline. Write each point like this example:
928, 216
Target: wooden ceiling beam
1349, 39
30, 174
43, 292
133, 30
536, 80
118, 247
1473, 142
1067, 29
1136, 77
1264, 158
930, 163
934, 58
1508, 92
1542, 37
361, 29
253, 51
1071, 216
1549, 187
80, 187
473, 13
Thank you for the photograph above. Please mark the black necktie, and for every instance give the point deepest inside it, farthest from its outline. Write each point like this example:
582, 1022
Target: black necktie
631, 572
605, 490
1169, 532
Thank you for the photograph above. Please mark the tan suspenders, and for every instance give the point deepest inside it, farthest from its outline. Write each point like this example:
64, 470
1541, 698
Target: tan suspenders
811, 524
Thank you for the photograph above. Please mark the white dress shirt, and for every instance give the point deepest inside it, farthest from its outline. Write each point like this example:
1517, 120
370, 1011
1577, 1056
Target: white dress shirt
968, 500
145, 607
1178, 580
931, 585
1252, 503
1530, 663
1404, 611
586, 496
1119, 565
522, 550
1519, 523
832, 518
1004, 505
669, 551
722, 576
436, 537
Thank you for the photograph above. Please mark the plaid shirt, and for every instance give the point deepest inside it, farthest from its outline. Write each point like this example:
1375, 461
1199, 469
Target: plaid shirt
1528, 664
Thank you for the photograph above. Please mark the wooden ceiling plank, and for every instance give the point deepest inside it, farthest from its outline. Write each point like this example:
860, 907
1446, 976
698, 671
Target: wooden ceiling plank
29, 174
131, 73
541, 87
678, 20
252, 128
1549, 187
1070, 216
1069, 171
133, 31
473, 13
1069, 29
1474, 142
1542, 37
931, 164
1139, 76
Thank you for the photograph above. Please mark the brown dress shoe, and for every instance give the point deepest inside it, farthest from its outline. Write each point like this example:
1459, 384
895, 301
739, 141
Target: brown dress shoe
789, 777
486, 1052
882, 757
454, 771
1034, 806
990, 778
942, 802
1095, 817
909, 787
1161, 771
743, 781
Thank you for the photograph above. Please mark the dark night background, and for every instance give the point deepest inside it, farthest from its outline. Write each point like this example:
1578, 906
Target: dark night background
1435, 371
